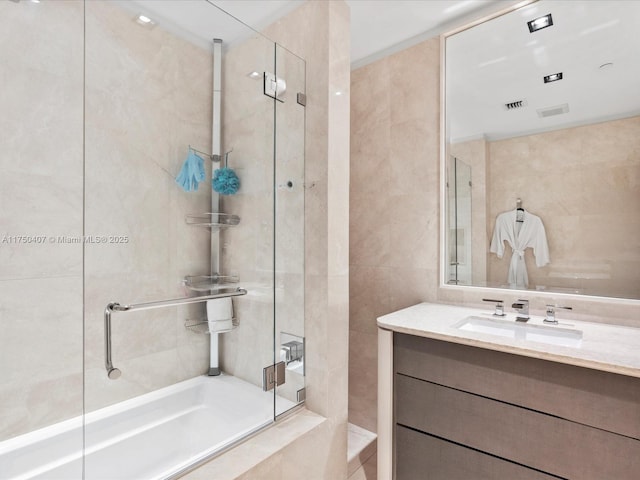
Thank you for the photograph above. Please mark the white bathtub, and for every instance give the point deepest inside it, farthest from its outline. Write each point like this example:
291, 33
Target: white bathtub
153, 436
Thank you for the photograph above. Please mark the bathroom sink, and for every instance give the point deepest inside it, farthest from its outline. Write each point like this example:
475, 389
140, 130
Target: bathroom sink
551, 335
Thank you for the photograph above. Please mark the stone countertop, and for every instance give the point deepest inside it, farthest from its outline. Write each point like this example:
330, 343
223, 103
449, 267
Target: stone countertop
605, 347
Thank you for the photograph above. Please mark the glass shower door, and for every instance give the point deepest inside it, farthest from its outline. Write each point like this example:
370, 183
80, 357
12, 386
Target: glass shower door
154, 103
289, 278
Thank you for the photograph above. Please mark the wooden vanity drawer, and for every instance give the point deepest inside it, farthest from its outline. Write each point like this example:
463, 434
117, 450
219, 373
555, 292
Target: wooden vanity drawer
599, 399
418, 453
543, 442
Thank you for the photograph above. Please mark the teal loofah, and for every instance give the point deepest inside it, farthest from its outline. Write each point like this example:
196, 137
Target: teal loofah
225, 181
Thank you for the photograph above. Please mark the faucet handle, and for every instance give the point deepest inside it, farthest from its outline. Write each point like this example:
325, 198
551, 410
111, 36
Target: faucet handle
499, 306
551, 313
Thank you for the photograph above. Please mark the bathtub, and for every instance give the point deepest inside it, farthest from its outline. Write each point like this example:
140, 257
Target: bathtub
154, 436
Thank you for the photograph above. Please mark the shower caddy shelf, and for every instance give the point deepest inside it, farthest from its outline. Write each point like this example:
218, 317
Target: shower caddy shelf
214, 221
202, 326
208, 283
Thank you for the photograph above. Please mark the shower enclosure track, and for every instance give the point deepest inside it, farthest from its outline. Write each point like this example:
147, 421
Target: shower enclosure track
114, 373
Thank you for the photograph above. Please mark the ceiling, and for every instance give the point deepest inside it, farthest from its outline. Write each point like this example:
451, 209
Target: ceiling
500, 61
376, 25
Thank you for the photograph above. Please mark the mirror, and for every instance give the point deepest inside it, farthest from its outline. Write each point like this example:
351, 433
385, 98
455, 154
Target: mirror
546, 120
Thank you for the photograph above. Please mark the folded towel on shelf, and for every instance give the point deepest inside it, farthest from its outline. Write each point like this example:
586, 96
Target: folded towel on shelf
191, 173
220, 315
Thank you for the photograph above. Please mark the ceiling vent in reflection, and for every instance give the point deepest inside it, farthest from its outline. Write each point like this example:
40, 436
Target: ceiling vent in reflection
551, 111
515, 105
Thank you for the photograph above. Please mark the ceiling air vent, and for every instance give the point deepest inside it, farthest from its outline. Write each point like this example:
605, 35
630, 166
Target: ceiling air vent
551, 111
515, 105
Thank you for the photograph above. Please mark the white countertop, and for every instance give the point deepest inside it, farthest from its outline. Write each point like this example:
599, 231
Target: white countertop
610, 348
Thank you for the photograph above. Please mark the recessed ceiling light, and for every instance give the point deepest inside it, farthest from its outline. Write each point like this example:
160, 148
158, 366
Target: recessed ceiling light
144, 21
540, 23
554, 77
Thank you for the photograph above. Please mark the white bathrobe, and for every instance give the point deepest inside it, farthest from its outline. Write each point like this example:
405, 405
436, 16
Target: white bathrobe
520, 236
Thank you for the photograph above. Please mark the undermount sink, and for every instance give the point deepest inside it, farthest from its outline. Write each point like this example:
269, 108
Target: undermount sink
551, 335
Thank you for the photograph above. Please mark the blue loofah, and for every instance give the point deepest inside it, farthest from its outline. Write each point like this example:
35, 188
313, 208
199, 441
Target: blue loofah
225, 181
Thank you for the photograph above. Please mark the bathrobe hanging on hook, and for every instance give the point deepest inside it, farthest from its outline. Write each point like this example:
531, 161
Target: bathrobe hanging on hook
529, 233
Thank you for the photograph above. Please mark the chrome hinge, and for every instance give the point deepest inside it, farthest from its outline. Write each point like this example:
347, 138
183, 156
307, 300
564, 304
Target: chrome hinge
301, 98
274, 87
273, 376
301, 395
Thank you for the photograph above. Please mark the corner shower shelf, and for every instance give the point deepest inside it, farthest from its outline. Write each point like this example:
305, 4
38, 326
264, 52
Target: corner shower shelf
213, 220
202, 326
207, 283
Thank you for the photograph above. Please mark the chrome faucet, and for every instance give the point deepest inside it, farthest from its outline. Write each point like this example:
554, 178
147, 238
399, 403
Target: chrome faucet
522, 307
551, 313
499, 312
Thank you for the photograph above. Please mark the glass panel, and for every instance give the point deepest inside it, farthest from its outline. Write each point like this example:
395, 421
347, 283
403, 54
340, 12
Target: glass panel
289, 231
459, 246
41, 73
150, 86
463, 222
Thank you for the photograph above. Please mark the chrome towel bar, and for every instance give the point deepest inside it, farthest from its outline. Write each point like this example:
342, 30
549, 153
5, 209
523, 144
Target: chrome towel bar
114, 373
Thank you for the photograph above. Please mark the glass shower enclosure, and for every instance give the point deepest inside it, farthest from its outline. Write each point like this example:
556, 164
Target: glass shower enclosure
147, 324
459, 214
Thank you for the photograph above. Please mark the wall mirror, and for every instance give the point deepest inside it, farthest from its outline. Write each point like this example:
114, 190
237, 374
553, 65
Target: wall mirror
541, 150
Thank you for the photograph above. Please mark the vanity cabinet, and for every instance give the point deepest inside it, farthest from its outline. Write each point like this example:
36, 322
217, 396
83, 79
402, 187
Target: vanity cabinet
462, 412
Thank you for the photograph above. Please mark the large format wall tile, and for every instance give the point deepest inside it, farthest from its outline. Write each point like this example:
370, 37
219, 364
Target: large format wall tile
41, 118
394, 207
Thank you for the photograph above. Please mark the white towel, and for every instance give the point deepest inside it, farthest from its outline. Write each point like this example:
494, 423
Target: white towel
220, 314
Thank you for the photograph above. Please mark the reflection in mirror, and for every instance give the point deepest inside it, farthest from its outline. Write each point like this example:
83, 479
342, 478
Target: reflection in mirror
459, 221
567, 146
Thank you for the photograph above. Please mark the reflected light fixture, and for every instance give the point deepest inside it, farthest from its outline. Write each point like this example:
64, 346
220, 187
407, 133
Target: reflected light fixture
144, 21
540, 23
554, 77
254, 75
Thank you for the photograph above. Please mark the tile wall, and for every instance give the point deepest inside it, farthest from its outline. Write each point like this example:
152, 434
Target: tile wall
41, 191
394, 204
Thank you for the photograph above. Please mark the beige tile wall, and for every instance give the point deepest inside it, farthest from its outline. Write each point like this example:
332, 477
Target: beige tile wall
40, 195
394, 204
